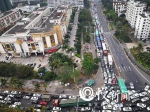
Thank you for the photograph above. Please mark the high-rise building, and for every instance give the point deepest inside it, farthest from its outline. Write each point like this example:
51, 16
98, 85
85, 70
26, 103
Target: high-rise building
5, 5
142, 28
133, 10
56, 3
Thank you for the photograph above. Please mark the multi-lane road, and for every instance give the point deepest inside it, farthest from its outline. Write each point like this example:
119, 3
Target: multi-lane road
124, 66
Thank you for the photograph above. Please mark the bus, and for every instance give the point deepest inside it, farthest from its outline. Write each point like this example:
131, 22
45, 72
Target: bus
72, 102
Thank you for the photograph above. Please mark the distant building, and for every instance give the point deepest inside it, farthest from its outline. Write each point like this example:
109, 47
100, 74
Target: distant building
17, 3
28, 8
133, 10
5, 5
9, 17
56, 3
120, 7
142, 28
40, 32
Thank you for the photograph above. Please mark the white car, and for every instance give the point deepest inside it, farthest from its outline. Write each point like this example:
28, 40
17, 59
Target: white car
14, 92
34, 98
148, 108
37, 110
107, 106
56, 108
17, 103
142, 105
109, 81
130, 92
104, 103
146, 88
143, 93
2, 101
63, 96
6, 91
72, 97
131, 85
105, 81
26, 97
109, 95
85, 109
144, 99
116, 108
136, 95
11, 96
105, 74
113, 102
127, 109
37, 95
12, 106
106, 111
7, 98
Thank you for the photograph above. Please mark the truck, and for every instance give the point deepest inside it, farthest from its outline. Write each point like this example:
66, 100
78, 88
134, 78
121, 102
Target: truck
72, 102
110, 60
105, 51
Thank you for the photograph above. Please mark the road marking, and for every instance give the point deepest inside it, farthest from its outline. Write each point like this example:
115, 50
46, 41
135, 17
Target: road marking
124, 68
130, 69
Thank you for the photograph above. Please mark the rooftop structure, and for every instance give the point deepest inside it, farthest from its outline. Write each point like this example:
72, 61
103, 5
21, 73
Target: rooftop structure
39, 32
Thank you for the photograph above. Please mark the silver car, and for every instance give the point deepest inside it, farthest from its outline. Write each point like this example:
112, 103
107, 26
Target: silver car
131, 85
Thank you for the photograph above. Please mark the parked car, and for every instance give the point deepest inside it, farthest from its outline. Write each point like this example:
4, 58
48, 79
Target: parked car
43, 103
146, 88
131, 85
85, 109
127, 109
141, 105
143, 93
144, 99
108, 106
57, 108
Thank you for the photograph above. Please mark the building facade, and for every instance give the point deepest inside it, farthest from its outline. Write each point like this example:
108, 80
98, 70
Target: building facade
56, 3
41, 31
142, 28
119, 6
5, 5
133, 10
9, 17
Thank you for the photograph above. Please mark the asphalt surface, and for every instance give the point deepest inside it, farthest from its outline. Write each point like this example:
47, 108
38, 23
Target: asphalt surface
124, 67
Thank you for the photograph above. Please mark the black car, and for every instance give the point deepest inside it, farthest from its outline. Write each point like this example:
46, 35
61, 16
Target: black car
29, 94
132, 105
97, 108
38, 106
137, 109
34, 101
39, 66
55, 96
18, 96
49, 107
15, 100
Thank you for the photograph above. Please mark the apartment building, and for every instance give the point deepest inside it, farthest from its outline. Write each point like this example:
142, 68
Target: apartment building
40, 32
134, 8
142, 28
9, 17
56, 3
119, 6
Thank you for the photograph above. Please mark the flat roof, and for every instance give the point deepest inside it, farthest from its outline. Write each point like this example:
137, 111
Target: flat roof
56, 15
17, 28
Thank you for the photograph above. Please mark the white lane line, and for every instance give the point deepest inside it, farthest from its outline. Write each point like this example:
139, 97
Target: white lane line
130, 69
119, 69
124, 68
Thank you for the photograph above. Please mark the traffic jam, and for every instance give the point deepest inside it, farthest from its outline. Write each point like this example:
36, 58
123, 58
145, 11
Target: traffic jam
114, 96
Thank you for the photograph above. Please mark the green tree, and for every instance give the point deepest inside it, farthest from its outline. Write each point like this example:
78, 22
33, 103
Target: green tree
49, 76
12, 82
45, 86
97, 60
140, 47
36, 86
19, 83
3, 82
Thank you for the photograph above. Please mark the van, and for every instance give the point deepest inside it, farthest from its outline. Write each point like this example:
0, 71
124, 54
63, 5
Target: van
135, 100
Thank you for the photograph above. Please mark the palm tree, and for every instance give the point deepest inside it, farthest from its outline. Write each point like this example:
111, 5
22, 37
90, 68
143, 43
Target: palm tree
3, 82
19, 84
37, 86
43, 109
45, 86
12, 82
140, 47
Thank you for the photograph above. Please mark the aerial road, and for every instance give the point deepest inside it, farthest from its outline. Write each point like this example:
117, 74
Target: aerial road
124, 66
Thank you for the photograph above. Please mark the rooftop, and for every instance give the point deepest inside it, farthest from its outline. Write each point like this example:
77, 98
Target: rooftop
56, 15
17, 28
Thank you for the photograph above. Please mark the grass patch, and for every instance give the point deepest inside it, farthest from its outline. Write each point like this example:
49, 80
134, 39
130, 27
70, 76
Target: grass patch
110, 26
78, 55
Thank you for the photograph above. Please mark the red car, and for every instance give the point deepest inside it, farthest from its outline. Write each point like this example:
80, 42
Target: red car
43, 103
114, 81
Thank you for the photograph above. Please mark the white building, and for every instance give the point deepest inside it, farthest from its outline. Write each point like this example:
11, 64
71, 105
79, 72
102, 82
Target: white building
133, 10
142, 28
119, 6
39, 33
9, 18
28, 8
56, 3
